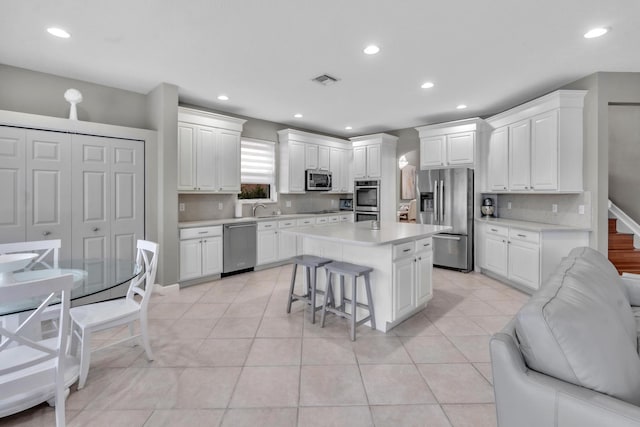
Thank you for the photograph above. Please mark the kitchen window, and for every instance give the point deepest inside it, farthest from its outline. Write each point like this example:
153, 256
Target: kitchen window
257, 170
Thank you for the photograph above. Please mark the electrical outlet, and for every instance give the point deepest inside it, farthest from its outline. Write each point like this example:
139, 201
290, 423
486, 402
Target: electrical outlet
333, 203
220, 206
182, 207
580, 209
288, 203
509, 205
554, 208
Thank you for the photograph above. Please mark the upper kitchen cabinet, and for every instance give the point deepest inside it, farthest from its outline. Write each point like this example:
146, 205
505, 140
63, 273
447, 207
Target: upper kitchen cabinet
208, 152
300, 151
452, 144
373, 156
537, 146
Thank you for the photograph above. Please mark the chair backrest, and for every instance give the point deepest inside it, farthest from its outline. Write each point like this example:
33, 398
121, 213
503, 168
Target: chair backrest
411, 214
142, 284
44, 248
21, 366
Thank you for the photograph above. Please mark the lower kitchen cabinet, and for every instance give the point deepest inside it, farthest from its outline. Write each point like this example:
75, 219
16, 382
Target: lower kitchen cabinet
524, 257
412, 276
287, 243
267, 242
200, 252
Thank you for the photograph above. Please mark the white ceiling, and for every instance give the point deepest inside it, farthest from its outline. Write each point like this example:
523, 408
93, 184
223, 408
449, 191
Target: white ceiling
487, 54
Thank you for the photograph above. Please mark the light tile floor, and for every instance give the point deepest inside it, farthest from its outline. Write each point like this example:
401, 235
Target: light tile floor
227, 354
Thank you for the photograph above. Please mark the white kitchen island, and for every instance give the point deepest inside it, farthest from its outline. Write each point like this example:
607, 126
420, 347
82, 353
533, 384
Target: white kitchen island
401, 257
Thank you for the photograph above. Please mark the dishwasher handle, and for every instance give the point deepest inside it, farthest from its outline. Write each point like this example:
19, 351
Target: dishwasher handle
239, 226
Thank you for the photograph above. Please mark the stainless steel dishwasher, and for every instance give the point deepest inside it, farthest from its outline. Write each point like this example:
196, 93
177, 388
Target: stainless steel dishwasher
239, 247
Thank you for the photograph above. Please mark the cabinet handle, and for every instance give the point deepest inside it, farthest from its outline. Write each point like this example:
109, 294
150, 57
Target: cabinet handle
426, 244
406, 250
415, 260
202, 232
522, 235
493, 229
505, 188
95, 229
46, 233
267, 226
420, 259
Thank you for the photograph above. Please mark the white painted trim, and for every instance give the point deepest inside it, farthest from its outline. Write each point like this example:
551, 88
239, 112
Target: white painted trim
376, 138
627, 221
286, 135
206, 118
466, 125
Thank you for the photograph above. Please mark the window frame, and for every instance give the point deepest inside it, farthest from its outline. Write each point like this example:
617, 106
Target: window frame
273, 188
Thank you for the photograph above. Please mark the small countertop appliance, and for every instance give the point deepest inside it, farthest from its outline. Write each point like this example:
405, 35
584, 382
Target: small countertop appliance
487, 208
346, 204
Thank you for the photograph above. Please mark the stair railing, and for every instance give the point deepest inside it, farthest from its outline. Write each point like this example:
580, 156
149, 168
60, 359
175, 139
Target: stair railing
627, 222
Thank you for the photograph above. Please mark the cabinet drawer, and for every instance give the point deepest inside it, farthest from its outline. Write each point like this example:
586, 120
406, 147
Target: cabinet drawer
498, 230
346, 217
524, 235
306, 221
322, 220
267, 225
334, 219
194, 233
424, 244
403, 250
288, 223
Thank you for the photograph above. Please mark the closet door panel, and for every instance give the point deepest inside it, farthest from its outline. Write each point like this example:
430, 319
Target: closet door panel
12, 184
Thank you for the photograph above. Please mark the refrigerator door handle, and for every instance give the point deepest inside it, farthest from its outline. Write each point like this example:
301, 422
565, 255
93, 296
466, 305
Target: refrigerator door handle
441, 201
436, 207
437, 236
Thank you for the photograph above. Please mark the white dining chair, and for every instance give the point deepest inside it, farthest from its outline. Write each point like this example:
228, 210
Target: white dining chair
91, 318
47, 250
32, 372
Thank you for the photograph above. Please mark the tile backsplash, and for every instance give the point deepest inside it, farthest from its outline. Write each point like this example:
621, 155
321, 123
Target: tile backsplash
200, 207
538, 208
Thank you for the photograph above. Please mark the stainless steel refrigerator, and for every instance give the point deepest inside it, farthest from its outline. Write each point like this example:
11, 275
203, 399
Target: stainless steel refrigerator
445, 197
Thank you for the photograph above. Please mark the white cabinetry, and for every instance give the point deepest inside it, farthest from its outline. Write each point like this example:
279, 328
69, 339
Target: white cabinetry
267, 242
208, 152
302, 150
525, 257
543, 142
367, 161
287, 242
200, 252
412, 276
451, 144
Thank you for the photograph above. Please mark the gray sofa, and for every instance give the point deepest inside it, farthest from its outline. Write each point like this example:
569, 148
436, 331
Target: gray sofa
570, 356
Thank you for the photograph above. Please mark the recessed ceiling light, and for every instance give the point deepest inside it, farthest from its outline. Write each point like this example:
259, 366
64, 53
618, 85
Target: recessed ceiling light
223, 98
297, 116
461, 107
372, 49
348, 127
58, 32
427, 85
596, 32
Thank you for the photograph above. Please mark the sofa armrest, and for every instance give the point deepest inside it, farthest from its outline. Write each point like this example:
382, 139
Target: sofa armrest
632, 286
527, 398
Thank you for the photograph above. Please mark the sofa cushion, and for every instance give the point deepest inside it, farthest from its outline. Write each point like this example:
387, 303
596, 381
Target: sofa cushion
579, 328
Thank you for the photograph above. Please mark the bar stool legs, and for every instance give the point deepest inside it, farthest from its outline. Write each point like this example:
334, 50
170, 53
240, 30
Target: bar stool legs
310, 264
354, 271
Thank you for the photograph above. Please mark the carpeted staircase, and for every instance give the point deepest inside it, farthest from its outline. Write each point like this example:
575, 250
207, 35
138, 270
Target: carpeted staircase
622, 254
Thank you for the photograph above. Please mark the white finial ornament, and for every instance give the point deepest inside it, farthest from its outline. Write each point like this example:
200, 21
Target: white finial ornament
73, 97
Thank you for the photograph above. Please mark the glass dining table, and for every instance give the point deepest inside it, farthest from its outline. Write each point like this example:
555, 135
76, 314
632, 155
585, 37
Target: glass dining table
90, 277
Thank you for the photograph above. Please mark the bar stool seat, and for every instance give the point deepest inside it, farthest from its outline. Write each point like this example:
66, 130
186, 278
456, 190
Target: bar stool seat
310, 263
343, 269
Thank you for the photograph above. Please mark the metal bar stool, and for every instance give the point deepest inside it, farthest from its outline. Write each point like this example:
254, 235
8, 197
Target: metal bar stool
355, 271
310, 263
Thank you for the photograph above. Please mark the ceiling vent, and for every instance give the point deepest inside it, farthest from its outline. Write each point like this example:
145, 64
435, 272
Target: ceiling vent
325, 80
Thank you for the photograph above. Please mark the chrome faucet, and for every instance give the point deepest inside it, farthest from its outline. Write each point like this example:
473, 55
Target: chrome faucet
256, 206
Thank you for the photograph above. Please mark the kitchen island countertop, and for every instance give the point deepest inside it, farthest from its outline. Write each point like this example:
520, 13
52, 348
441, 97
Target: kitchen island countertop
361, 233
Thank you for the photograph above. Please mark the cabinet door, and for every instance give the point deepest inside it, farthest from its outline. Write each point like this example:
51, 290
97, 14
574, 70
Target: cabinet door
12, 185
211, 255
267, 247
228, 161
287, 247
347, 171
48, 188
424, 281
495, 254
544, 151
374, 167
498, 171
520, 155
311, 156
190, 259
404, 281
296, 167
524, 263
206, 154
91, 205
460, 148
186, 157
359, 162
432, 152
323, 157
335, 161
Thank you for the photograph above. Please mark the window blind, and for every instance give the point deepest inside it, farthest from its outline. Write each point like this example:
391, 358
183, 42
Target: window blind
257, 162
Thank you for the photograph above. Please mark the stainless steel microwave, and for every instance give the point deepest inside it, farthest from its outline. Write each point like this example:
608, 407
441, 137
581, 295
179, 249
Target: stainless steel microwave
318, 180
